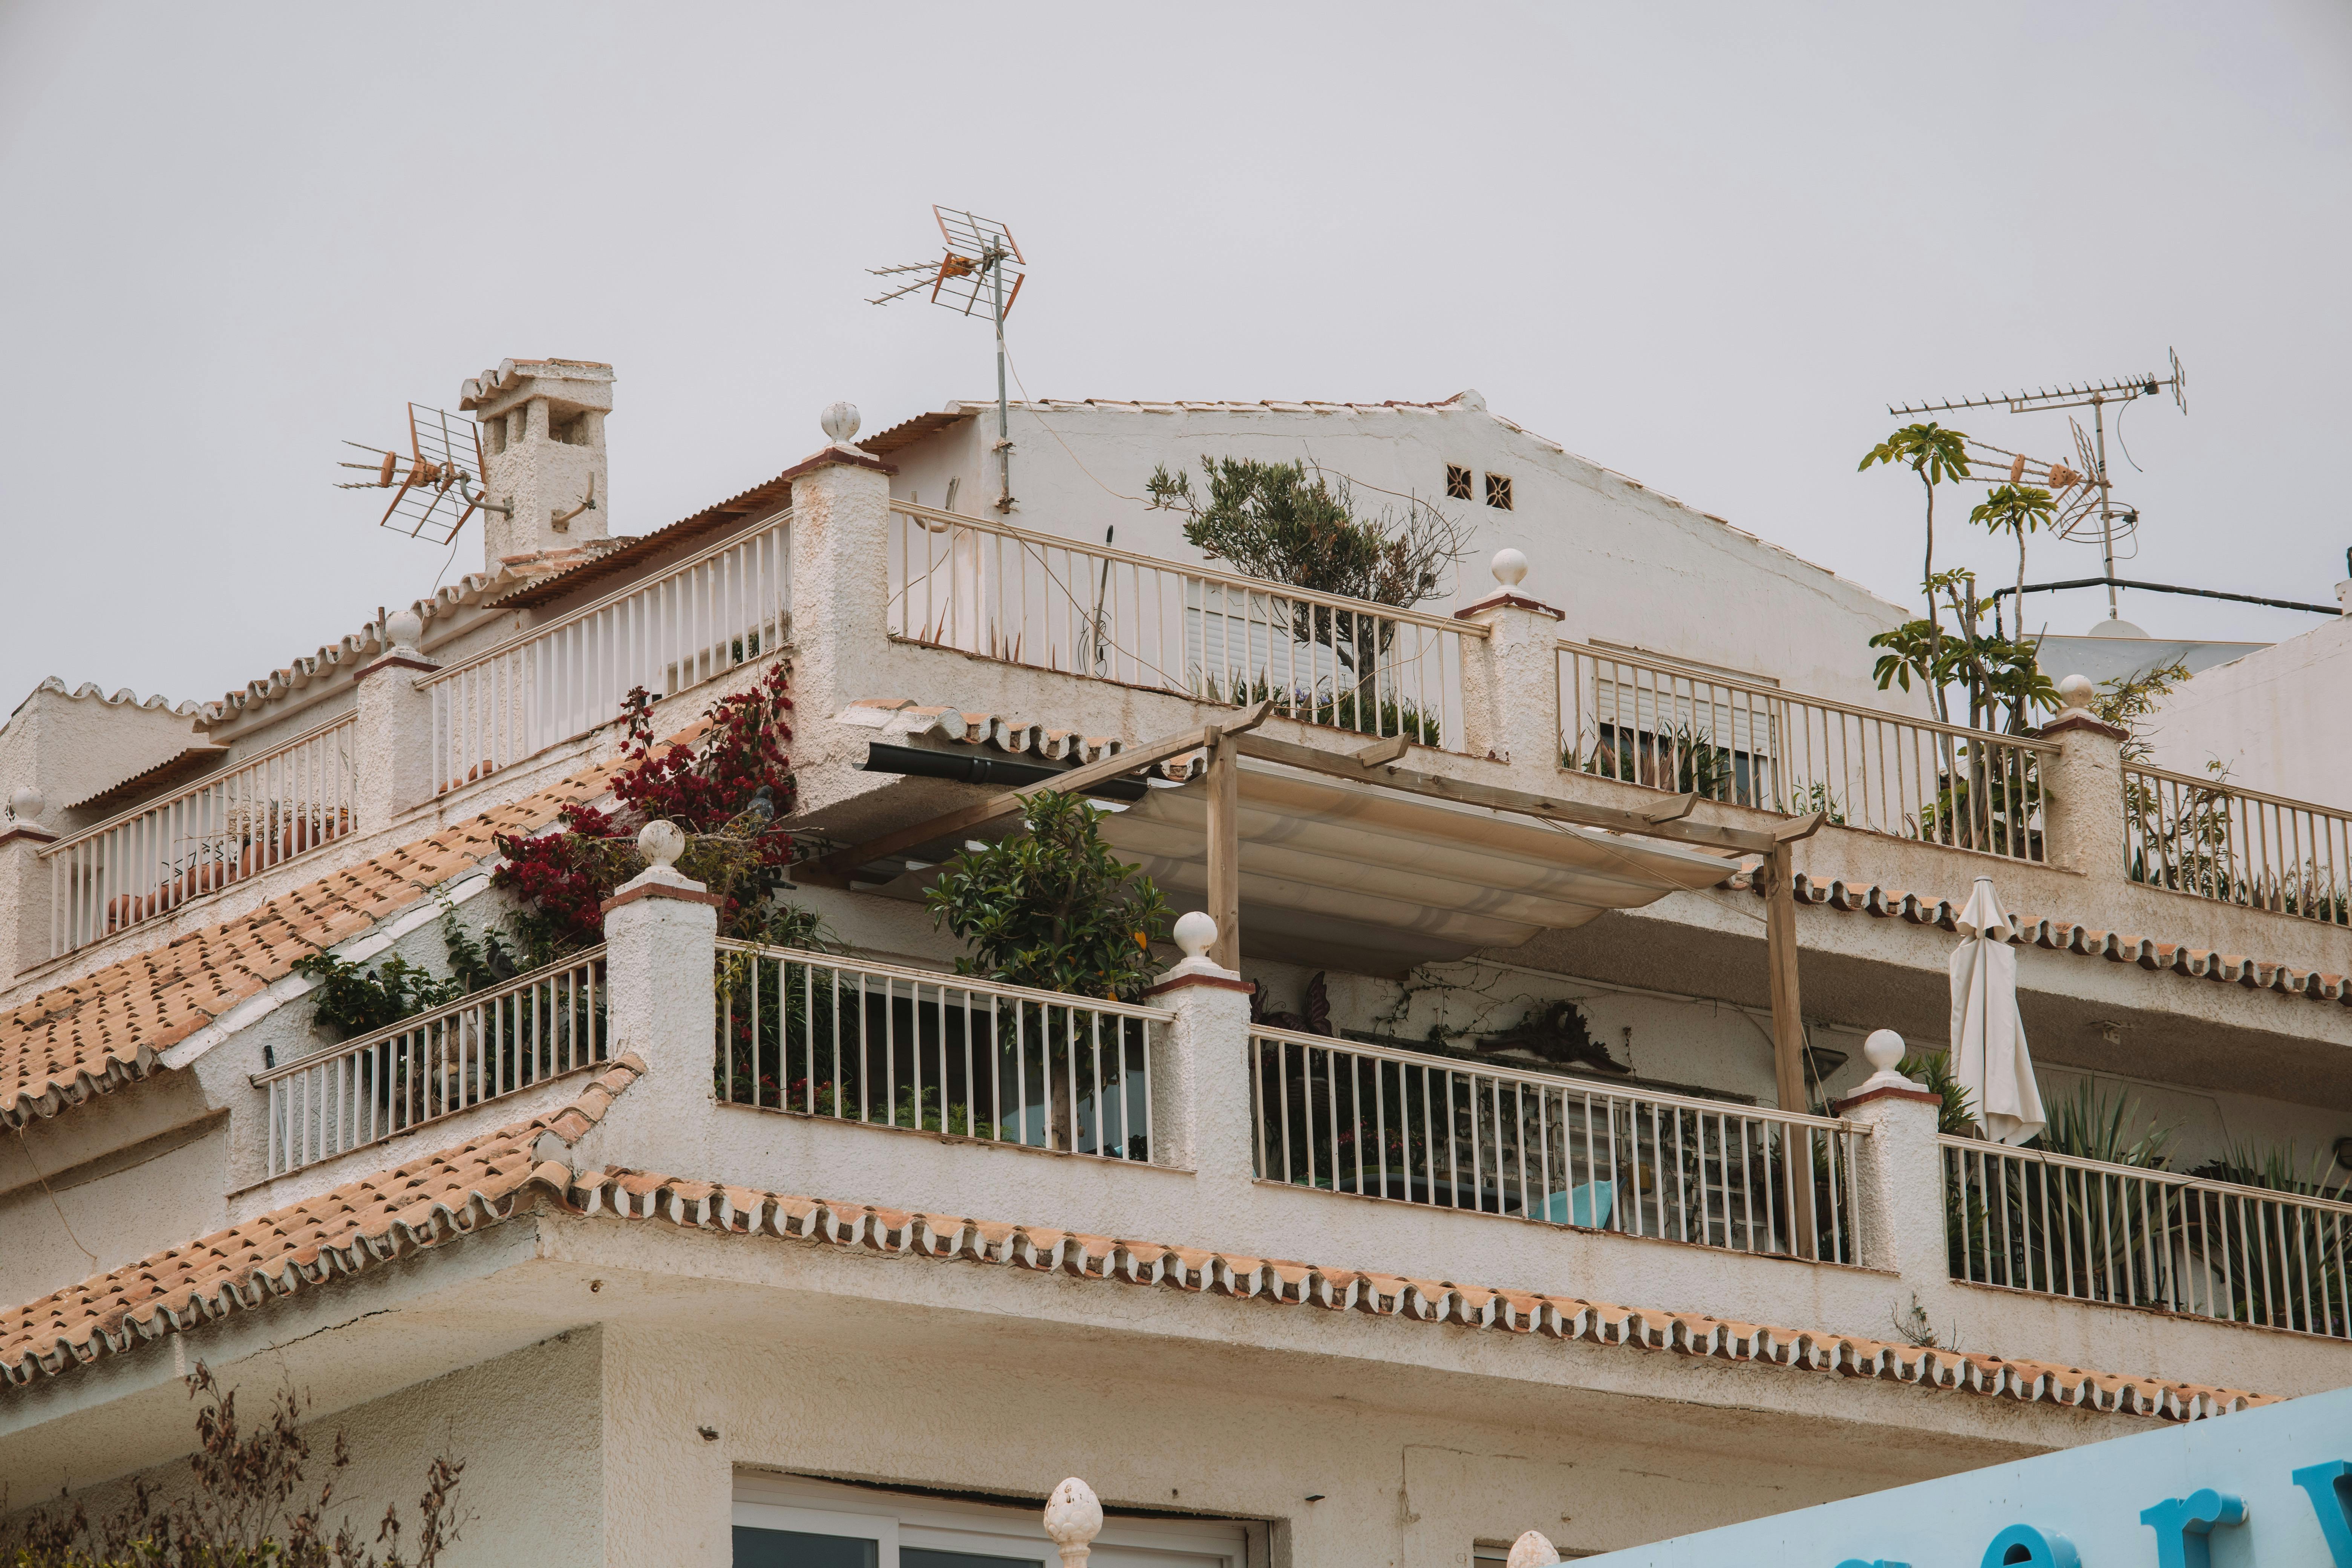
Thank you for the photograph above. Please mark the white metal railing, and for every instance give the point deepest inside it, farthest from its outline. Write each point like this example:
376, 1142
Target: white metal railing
2139, 1237
2217, 840
858, 1041
699, 619
1415, 1127
492, 1044
1033, 599
233, 823
1654, 723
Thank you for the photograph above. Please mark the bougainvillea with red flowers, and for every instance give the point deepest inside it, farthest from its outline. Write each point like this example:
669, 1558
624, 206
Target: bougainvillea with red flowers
728, 790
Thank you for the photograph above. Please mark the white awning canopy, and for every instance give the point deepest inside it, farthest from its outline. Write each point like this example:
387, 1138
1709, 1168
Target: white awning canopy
1329, 866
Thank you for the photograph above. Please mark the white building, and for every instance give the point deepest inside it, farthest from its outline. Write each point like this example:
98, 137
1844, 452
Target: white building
1517, 1237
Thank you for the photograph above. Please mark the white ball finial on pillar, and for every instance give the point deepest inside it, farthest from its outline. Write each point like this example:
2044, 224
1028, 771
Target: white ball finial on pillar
1509, 566
2076, 692
1195, 933
1533, 1549
839, 422
1073, 1517
661, 842
401, 630
27, 803
1884, 1050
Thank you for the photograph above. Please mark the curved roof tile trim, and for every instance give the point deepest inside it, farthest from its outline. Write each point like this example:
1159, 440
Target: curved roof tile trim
2088, 942
500, 1174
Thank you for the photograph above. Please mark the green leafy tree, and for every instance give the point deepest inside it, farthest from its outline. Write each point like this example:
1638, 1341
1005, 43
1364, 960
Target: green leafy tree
1935, 455
1052, 907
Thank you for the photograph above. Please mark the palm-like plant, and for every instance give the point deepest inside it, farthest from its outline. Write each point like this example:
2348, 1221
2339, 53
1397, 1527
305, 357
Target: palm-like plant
1935, 454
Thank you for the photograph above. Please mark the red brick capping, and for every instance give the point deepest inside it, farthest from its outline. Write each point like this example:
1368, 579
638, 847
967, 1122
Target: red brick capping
847, 456
2081, 720
392, 661
660, 890
28, 831
1211, 982
1514, 602
1921, 1095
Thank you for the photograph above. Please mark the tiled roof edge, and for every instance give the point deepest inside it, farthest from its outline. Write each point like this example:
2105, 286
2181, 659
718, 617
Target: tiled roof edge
630, 1194
2088, 942
379, 1238
741, 1211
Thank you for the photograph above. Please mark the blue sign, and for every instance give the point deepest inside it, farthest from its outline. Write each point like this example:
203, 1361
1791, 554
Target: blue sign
2270, 1488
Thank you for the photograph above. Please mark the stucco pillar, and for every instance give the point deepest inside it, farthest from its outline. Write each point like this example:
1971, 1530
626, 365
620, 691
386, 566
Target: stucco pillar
841, 586
659, 931
1900, 1173
1199, 1063
25, 882
1510, 680
2082, 791
393, 748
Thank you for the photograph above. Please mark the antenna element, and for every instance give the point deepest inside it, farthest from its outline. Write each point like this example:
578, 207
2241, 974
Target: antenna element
969, 278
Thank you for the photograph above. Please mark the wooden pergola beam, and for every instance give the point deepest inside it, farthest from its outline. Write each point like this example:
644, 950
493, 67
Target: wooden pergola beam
842, 862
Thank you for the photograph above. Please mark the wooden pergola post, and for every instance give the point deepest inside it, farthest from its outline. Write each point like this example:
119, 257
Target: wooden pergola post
1225, 849
1781, 957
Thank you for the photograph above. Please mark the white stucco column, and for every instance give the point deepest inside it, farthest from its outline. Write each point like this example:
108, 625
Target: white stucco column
659, 931
1510, 682
2082, 791
841, 587
24, 881
1200, 1065
393, 748
1900, 1172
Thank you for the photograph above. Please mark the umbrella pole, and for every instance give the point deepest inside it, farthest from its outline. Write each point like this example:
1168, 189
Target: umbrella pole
1789, 1036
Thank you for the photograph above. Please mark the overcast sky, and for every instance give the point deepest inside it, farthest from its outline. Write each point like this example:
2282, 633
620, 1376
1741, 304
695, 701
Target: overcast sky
1703, 245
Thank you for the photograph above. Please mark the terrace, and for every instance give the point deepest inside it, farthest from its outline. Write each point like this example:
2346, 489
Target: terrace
1361, 787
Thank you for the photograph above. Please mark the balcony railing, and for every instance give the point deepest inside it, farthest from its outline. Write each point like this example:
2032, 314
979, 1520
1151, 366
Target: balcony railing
235, 824
858, 1041
2217, 840
1049, 603
2135, 1238
695, 622
1686, 731
492, 1044
1412, 1128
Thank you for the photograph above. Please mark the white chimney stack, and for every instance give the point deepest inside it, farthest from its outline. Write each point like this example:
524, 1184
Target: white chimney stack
544, 445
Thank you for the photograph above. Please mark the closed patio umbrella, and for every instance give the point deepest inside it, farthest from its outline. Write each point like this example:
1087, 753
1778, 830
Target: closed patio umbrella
1988, 1035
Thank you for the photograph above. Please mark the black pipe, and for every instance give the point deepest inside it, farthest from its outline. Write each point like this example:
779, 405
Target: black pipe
916, 762
2168, 588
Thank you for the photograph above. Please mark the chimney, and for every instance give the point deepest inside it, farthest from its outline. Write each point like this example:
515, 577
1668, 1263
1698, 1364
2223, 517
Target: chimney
544, 445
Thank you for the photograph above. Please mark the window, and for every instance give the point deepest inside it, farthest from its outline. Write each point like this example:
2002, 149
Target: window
784, 1521
1457, 482
1498, 492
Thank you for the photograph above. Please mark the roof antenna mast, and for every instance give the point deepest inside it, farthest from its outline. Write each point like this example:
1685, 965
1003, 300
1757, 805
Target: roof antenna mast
971, 277
2095, 397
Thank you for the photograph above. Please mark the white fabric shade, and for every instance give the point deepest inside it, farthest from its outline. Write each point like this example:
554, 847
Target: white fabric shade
1335, 870
1989, 1055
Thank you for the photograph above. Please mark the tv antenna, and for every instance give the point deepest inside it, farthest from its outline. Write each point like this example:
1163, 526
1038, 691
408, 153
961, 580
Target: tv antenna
970, 279
433, 482
2095, 397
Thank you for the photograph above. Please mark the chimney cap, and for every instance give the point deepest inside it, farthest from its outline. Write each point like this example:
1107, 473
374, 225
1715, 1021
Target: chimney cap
587, 384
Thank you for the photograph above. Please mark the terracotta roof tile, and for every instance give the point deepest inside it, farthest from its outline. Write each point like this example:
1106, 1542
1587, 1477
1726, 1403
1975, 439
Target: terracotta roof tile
105, 1028
438, 1196
360, 1223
